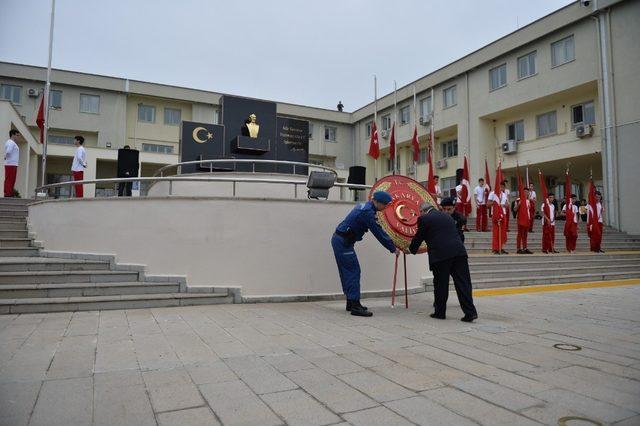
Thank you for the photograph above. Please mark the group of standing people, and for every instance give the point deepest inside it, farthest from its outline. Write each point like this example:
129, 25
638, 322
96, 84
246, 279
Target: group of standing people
12, 161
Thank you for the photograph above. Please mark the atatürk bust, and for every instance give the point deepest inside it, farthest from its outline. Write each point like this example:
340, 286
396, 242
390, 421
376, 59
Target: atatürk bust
250, 127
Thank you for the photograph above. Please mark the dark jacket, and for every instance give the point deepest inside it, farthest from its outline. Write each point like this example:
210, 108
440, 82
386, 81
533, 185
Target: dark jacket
439, 231
362, 219
460, 221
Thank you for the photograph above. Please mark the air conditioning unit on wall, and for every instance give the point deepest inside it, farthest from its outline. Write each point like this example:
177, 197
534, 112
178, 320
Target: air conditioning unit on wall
425, 121
441, 164
584, 130
33, 93
509, 147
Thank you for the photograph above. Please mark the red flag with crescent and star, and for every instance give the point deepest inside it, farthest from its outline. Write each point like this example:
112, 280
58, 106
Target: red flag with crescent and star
465, 192
374, 147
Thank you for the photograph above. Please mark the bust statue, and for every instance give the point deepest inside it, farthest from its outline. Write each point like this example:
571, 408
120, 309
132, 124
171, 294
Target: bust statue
250, 127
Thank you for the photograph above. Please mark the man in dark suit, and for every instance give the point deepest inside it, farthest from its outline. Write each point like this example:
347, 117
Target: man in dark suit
447, 257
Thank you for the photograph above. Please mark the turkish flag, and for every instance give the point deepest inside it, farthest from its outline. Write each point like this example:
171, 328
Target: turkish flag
523, 210
431, 183
487, 179
416, 145
498, 213
374, 147
593, 209
40, 119
570, 227
545, 196
392, 146
465, 192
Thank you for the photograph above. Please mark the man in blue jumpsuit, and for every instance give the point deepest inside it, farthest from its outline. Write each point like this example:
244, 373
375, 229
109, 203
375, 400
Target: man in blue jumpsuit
361, 219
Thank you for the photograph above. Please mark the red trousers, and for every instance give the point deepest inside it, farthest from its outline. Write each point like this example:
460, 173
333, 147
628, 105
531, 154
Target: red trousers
548, 237
481, 218
571, 242
10, 173
595, 237
79, 190
506, 218
532, 215
499, 237
523, 233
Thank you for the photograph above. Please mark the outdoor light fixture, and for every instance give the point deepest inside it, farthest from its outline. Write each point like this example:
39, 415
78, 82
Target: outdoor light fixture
319, 184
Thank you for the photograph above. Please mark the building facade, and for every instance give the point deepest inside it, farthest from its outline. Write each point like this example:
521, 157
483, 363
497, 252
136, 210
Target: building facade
561, 92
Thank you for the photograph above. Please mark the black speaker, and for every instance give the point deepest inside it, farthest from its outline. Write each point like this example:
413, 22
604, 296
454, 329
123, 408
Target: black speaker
459, 173
357, 175
128, 162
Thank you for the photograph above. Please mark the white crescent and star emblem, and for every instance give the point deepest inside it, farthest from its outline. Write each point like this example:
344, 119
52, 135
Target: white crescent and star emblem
196, 136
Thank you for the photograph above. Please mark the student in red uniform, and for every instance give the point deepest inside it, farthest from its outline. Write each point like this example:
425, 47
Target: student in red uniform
571, 223
548, 211
79, 164
524, 222
498, 218
594, 224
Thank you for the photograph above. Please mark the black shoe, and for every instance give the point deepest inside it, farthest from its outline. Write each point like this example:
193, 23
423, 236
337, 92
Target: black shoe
527, 251
545, 252
469, 318
504, 252
496, 252
520, 251
600, 251
354, 303
555, 251
437, 316
348, 308
359, 312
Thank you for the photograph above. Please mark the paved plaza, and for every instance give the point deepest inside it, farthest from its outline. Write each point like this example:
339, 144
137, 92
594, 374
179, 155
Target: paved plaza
311, 363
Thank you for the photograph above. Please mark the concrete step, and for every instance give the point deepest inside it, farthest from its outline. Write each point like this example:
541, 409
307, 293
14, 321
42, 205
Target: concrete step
556, 271
14, 242
13, 212
542, 279
14, 233
542, 264
19, 252
538, 237
560, 246
11, 200
24, 264
94, 303
21, 291
67, 277
8, 224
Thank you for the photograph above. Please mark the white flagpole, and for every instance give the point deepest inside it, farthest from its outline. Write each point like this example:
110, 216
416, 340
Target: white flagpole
375, 121
47, 89
395, 118
415, 127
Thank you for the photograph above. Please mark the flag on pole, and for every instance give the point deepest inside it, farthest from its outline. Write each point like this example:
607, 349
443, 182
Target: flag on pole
523, 210
374, 147
593, 208
465, 192
487, 179
498, 213
545, 196
570, 228
40, 119
416, 144
392, 147
431, 183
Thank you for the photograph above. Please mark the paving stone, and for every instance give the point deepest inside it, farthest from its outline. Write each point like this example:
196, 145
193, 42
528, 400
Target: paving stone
213, 372
115, 355
336, 365
75, 357
298, 408
499, 395
118, 402
201, 416
602, 379
335, 394
235, 404
17, 401
285, 363
258, 375
407, 377
423, 411
155, 353
376, 387
367, 359
171, 390
589, 406
64, 402
376, 416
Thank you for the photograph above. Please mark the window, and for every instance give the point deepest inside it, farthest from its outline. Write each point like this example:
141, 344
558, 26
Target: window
422, 159
11, 93
425, 107
90, 104
330, 134
583, 114
310, 130
546, 124
386, 122
515, 131
450, 149
62, 140
527, 65
390, 165
449, 96
146, 113
161, 149
368, 128
498, 77
55, 99
172, 116
447, 184
404, 115
562, 51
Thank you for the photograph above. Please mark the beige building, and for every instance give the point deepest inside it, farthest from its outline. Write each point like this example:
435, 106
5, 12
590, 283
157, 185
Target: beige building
562, 91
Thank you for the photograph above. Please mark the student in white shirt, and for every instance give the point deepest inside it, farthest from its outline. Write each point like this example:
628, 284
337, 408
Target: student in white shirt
549, 225
11, 159
481, 206
532, 205
436, 180
79, 164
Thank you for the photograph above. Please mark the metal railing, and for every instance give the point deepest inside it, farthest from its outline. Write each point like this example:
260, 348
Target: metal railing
235, 161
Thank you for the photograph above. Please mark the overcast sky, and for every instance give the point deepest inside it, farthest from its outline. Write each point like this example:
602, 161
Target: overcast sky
305, 52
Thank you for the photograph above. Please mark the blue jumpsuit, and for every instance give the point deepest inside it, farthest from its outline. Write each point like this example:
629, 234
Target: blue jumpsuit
361, 219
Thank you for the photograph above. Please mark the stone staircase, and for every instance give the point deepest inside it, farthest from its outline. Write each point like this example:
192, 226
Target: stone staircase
35, 280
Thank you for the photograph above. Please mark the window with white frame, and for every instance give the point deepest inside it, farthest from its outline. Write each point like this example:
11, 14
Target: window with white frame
368, 128
583, 114
330, 133
310, 130
450, 148
90, 104
61, 140
146, 113
386, 122
527, 65
55, 99
11, 93
422, 158
449, 96
172, 116
161, 149
447, 184
404, 115
425, 107
546, 124
390, 165
563, 51
498, 77
515, 131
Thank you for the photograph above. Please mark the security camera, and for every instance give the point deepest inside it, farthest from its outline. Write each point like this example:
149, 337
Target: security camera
585, 3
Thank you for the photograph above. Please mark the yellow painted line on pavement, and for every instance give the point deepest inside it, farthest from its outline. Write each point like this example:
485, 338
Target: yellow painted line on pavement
552, 287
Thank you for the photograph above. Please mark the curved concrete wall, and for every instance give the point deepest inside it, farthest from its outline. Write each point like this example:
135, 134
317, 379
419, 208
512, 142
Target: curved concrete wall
268, 247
